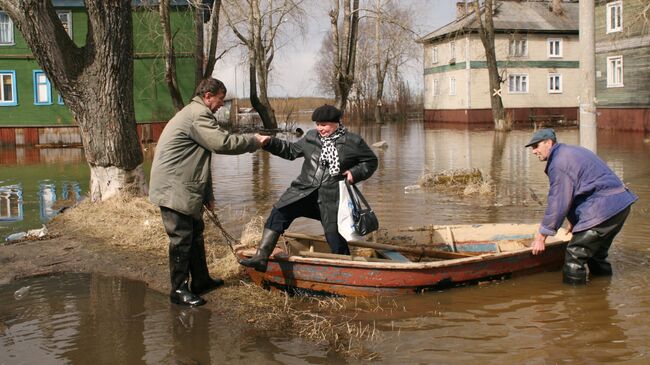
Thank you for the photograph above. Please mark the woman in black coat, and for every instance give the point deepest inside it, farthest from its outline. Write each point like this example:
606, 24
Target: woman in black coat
332, 154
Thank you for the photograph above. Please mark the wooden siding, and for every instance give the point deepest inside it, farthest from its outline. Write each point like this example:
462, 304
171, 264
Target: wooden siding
636, 78
624, 119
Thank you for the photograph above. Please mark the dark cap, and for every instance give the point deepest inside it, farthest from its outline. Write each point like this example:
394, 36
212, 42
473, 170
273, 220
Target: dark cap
542, 135
326, 113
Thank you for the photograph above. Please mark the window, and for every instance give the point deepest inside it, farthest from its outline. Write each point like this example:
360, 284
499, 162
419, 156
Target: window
434, 55
554, 47
66, 20
60, 100
518, 47
8, 91
615, 16
42, 89
6, 29
435, 87
554, 83
452, 50
452, 85
518, 83
615, 71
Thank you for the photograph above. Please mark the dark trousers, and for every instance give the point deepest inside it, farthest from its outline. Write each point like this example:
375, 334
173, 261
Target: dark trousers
186, 248
280, 219
591, 248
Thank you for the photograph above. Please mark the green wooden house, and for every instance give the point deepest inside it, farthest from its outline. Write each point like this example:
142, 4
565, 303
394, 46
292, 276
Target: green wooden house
31, 110
623, 64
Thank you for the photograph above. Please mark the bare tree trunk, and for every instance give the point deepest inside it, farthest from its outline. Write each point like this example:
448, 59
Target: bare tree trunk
170, 59
199, 41
214, 36
345, 48
255, 100
96, 84
261, 64
380, 73
486, 31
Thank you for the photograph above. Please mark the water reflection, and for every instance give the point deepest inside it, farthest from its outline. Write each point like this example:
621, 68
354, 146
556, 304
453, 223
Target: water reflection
84, 319
49, 179
11, 203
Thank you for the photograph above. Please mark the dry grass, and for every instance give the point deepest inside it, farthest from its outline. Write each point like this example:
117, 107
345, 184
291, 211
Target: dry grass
465, 181
134, 223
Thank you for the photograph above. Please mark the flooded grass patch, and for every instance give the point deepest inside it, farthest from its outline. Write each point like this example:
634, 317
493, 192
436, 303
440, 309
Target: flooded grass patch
461, 181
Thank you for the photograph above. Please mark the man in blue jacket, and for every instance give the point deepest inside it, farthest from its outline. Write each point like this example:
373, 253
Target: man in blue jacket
585, 191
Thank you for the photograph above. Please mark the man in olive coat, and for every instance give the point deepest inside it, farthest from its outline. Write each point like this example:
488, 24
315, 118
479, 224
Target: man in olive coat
181, 185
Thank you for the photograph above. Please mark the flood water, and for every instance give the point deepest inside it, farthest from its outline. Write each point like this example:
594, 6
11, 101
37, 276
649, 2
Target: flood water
533, 319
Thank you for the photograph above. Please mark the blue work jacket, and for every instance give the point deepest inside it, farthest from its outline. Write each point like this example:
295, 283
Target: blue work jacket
583, 189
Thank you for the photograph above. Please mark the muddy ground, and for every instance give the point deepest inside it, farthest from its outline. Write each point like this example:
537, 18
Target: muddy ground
124, 238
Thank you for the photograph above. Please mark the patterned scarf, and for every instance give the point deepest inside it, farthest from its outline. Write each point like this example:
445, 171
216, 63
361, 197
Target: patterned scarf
329, 155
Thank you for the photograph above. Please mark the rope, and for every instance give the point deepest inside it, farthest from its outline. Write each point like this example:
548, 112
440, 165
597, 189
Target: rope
230, 240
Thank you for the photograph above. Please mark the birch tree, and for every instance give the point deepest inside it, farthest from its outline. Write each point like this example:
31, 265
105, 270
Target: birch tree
96, 84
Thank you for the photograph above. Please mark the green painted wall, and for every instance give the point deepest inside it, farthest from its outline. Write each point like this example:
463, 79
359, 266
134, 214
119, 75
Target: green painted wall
151, 97
636, 78
630, 44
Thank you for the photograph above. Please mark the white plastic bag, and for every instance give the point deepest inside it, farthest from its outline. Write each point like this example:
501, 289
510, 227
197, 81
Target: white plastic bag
344, 218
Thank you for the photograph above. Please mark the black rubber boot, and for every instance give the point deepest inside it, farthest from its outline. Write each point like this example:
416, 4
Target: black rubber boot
573, 274
261, 258
179, 272
183, 296
201, 282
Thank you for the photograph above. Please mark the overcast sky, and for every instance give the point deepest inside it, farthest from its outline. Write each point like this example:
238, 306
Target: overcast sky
292, 73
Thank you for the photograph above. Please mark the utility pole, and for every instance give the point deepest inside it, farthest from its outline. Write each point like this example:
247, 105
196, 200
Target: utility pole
587, 101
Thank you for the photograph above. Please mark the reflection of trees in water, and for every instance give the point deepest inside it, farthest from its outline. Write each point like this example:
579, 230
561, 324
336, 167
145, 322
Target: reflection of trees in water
28, 155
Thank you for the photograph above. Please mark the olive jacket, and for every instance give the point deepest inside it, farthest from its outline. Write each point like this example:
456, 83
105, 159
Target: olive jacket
354, 155
180, 174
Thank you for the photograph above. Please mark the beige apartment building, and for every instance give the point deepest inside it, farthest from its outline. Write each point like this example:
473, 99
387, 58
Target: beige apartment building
537, 56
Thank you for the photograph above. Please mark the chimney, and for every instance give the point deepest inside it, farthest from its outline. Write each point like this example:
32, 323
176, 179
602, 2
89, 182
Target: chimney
461, 9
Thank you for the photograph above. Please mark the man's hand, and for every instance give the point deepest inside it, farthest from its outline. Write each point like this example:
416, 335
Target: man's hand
349, 177
569, 228
538, 244
262, 140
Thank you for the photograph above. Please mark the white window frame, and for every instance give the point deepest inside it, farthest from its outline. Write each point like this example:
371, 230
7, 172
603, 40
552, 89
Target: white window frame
518, 47
434, 55
452, 85
435, 88
7, 26
615, 71
614, 10
554, 47
520, 82
42, 88
452, 50
554, 84
14, 98
66, 19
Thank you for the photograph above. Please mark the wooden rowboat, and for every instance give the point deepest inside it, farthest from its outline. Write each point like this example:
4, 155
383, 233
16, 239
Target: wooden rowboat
418, 260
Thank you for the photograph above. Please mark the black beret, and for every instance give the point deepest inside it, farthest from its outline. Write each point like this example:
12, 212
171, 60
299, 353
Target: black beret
326, 113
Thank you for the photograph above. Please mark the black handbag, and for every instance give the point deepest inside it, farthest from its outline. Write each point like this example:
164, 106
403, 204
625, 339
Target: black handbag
365, 220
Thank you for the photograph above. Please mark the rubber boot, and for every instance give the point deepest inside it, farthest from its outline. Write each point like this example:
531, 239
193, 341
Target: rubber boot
574, 274
179, 272
261, 258
201, 282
